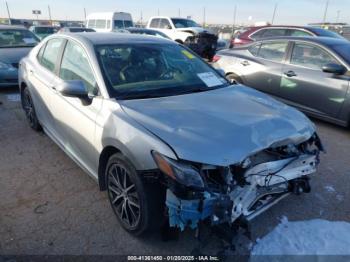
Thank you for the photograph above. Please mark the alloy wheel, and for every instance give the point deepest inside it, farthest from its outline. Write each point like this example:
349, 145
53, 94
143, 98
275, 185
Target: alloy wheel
29, 108
123, 196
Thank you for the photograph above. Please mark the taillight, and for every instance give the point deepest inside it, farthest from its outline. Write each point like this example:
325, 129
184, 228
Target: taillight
237, 41
216, 58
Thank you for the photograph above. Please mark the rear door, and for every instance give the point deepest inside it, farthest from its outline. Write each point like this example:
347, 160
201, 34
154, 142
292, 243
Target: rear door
40, 75
263, 71
307, 86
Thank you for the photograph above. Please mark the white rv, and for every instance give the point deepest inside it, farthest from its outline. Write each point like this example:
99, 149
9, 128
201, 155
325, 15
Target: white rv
109, 21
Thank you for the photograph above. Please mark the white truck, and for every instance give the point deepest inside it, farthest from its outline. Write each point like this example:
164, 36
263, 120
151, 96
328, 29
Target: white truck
109, 21
187, 32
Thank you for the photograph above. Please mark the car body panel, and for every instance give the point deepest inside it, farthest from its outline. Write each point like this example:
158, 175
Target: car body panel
220, 127
313, 91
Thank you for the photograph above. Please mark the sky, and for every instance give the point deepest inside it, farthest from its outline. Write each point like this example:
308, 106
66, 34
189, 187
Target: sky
298, 12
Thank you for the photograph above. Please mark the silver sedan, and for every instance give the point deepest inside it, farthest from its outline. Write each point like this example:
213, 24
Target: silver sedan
163, 132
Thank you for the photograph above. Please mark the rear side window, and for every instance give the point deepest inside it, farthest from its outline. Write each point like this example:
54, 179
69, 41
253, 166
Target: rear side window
41, 52
273, 51
154, 23
50, 55
274, 32
296, 32
75, 66
254, 50
258, 34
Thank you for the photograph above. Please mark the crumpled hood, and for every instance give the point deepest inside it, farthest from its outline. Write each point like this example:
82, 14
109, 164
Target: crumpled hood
13, 55
222, 126
195, 30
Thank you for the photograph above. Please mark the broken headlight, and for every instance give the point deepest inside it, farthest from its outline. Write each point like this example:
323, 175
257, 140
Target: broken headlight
182, 172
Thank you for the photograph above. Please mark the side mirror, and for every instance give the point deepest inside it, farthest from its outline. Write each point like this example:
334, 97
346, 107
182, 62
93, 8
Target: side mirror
74, 88
334, 69
169, 27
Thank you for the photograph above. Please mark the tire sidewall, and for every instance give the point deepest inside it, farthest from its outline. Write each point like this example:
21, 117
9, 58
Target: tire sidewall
137, 181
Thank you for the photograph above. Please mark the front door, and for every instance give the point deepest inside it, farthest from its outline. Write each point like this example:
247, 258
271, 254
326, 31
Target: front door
74, 119
305, 84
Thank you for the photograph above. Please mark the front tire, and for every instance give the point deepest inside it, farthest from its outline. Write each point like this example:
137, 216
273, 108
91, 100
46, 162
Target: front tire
28, 107
133, 201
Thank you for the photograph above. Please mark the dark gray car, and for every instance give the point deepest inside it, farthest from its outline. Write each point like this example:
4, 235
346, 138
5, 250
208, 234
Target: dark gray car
311, 74
15, 43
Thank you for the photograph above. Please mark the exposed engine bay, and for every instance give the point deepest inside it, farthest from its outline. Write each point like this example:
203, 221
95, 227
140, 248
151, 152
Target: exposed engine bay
246, 189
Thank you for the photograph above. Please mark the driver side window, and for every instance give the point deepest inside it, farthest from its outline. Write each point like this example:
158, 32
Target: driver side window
75, 66
311, 56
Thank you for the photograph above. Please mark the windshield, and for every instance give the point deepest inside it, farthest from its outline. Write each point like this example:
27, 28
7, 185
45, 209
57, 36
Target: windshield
17, 38
44, 30
152, 70
184, 23
326, 33
343, 50
121, 24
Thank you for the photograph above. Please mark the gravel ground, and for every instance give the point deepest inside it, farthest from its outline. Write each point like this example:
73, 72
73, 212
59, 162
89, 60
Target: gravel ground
48, 206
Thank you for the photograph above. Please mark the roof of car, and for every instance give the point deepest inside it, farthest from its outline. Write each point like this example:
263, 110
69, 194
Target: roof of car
116, 38
12, 27
322, 40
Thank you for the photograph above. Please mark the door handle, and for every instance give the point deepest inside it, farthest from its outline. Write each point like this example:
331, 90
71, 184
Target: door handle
245, 63
290, 73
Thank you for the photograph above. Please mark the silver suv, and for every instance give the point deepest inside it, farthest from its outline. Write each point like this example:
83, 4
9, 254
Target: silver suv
161, 130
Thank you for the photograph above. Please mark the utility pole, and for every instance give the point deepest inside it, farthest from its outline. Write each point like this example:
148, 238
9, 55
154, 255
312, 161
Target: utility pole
234, 19
84, 14
203, 17
48, 7
179, 12
325, 12
158, 12
8, 12
274, 14
338, 16
141, 20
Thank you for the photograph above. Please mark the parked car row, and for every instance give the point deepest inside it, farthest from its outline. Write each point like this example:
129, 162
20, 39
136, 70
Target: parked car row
169, 138
310, 73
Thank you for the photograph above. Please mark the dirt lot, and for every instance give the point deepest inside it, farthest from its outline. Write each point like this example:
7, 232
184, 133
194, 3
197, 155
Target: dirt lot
49, 206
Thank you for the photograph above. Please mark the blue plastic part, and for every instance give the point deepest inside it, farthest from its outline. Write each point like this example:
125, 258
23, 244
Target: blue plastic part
186, 212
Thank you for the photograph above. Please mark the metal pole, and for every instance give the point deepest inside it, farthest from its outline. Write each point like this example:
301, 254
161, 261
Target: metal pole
141, 19
203, 17
158, 12
338, 16
234, 19
325, 12
274, 14
179, 12
8, 12
48, 7
84, 14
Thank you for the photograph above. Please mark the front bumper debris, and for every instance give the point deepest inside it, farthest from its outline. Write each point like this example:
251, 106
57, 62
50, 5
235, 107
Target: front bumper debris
265, 184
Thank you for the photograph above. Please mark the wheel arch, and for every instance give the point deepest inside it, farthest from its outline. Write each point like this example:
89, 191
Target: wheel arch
106, 153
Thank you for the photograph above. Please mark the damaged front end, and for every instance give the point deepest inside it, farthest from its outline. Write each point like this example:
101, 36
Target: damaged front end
198, 192
203, 43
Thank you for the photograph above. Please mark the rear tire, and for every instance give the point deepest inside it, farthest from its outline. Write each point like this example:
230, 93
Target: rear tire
28, 107
136, 204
